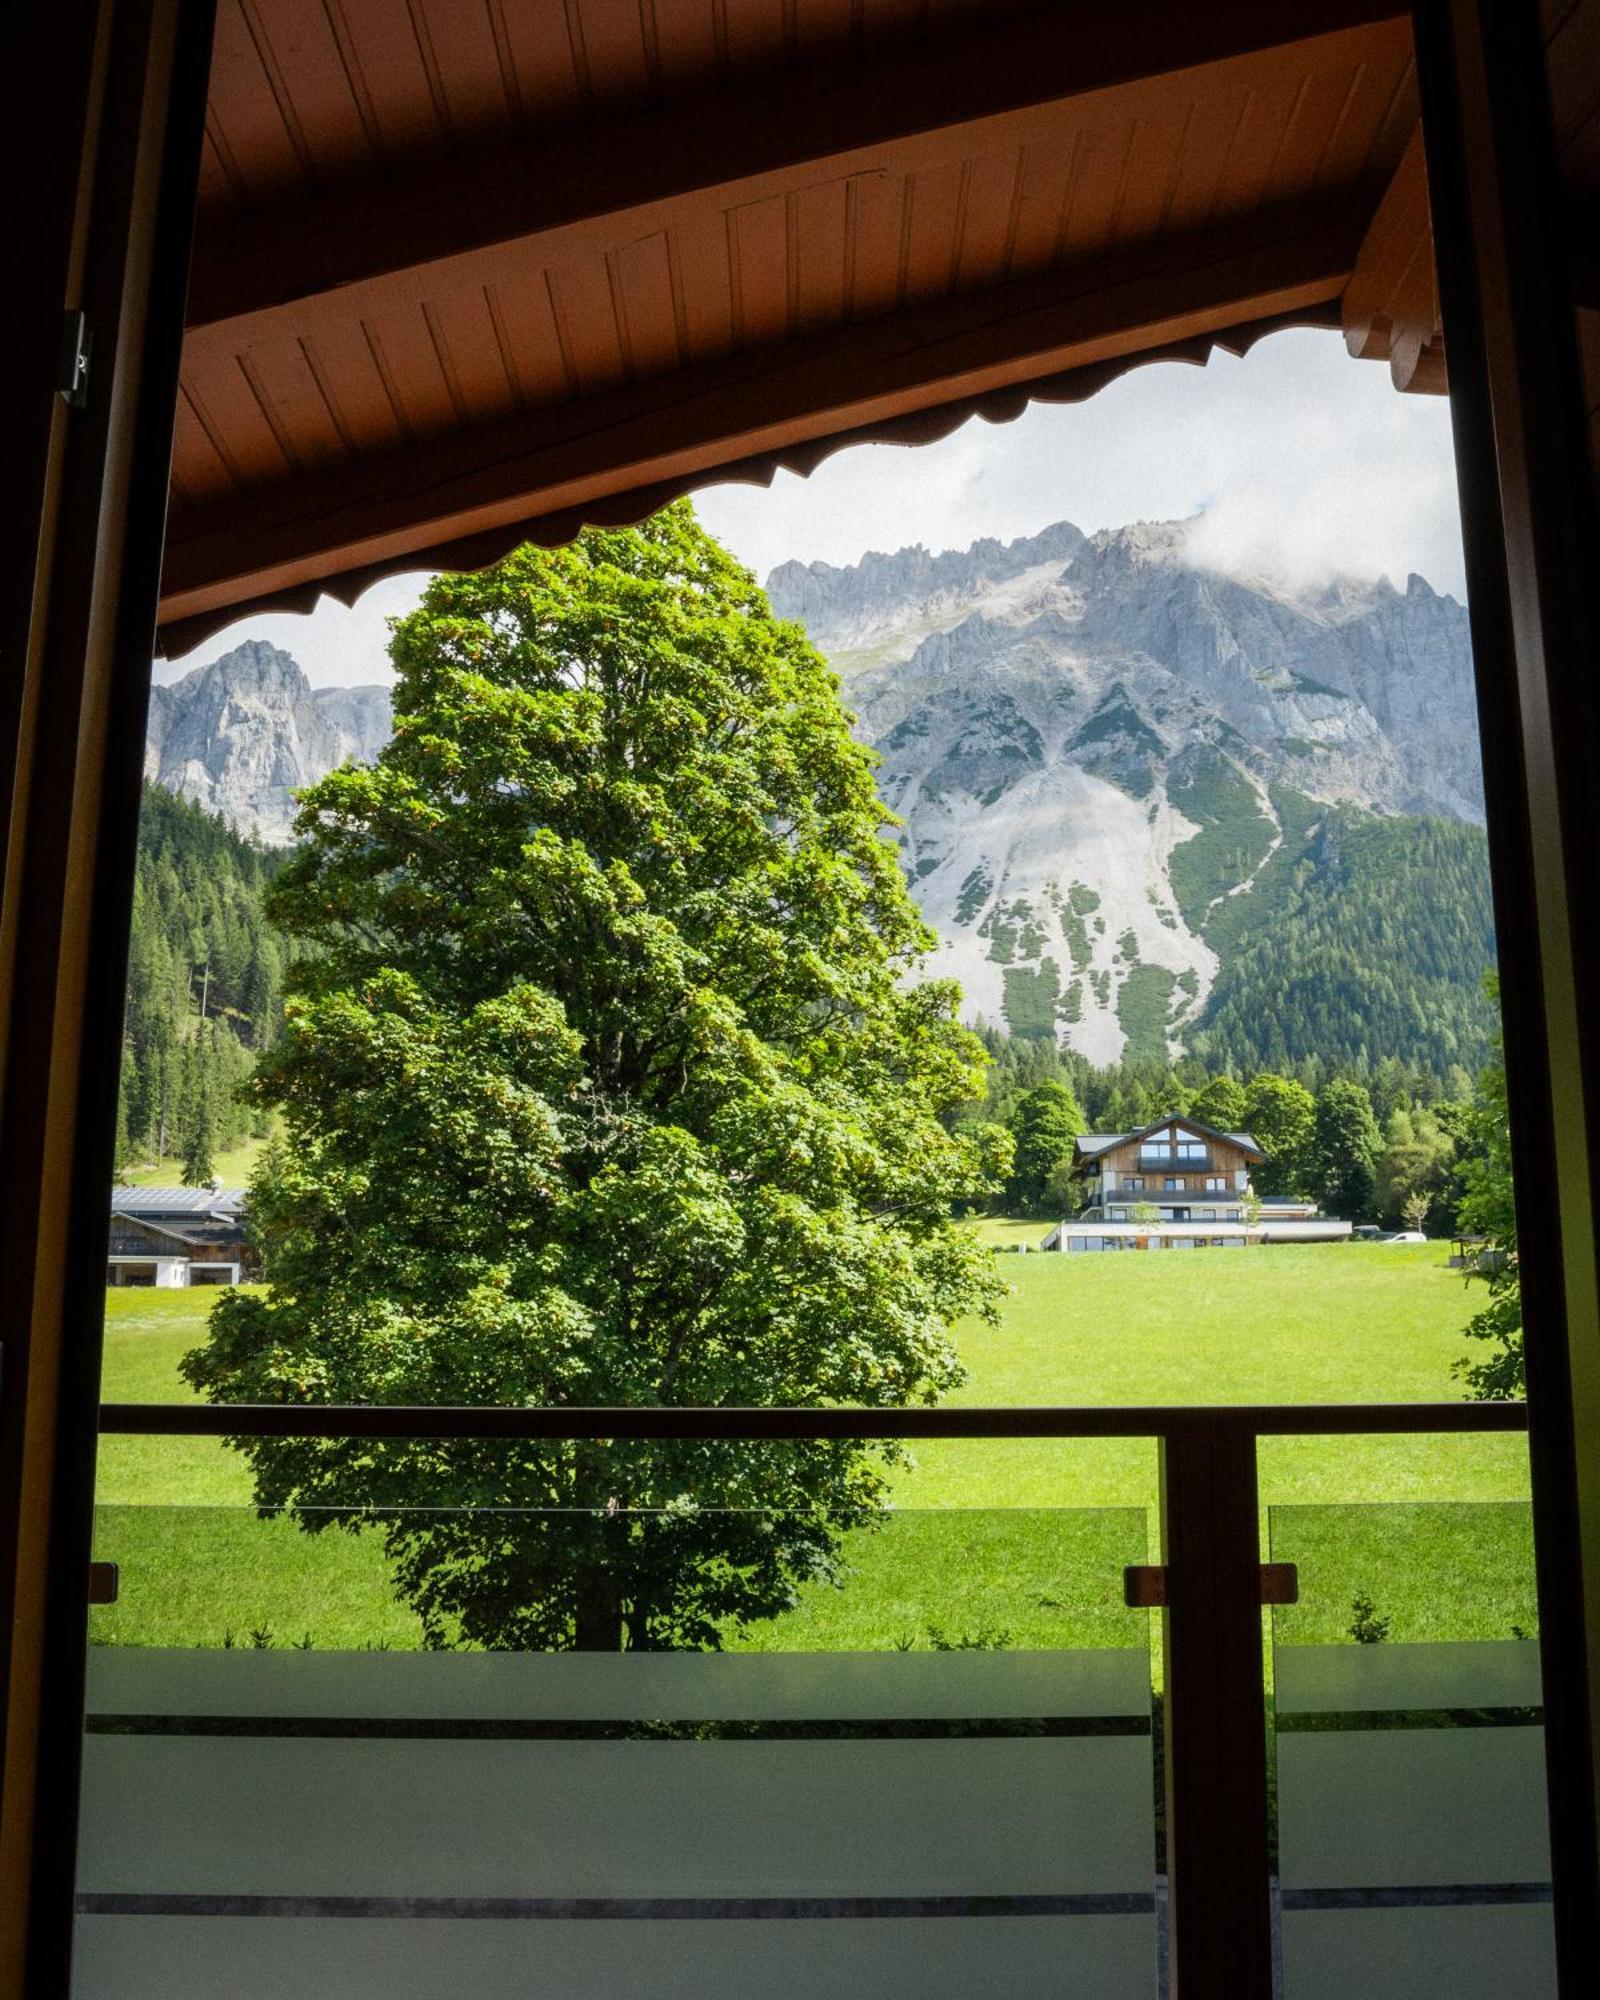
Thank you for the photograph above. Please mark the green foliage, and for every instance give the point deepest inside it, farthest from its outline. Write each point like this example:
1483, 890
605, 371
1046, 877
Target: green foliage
1221, 1104
974, 894
1366, 1627
1234, 835
1279, 1115
1030, 998
1488, 1208
603, 1082
981, 1537
1345, 1144
1045, 1130
1414, 1166
1362, 938
205, 984
199, 1139
1144, 1001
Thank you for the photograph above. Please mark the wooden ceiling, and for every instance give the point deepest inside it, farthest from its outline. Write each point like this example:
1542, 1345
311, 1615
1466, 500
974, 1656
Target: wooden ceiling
470, 269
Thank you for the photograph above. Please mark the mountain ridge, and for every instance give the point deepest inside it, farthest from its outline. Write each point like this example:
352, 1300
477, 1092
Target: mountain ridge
1095, 744
241, 733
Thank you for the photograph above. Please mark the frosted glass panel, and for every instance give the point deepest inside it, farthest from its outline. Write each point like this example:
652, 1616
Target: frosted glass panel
1413, 1845
948, 1807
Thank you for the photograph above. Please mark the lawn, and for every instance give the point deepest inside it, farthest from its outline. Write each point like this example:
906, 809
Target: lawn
1020, 1542
230, 1169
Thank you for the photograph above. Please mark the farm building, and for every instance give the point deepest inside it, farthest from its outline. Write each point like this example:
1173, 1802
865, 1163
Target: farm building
173, 1237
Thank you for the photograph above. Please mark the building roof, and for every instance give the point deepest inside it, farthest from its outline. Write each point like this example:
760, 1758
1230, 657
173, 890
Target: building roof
1131, 1229
463, 277
1092, 1144
173, 1203
206, 1235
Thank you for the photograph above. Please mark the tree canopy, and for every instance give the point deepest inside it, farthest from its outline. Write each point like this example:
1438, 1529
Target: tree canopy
1488, 1209
1279, 1114
1046, 1128
1345, 1145
602, 1082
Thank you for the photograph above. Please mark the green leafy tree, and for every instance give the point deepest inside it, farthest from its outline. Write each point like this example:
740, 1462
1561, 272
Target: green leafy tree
1345, 1144
1220, 1103
1045, 1133
1488, 1208
602, 1081
1415, 1208
1414, 1164
1279, 1114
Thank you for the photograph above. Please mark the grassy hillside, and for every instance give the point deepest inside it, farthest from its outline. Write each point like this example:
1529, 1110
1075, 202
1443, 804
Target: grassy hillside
1024, 1538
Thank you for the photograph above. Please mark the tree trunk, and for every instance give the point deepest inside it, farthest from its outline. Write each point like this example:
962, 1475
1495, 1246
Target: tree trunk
597, 1625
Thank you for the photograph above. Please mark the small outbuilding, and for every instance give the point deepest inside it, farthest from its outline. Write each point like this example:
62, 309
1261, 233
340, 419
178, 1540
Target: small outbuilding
174, 1237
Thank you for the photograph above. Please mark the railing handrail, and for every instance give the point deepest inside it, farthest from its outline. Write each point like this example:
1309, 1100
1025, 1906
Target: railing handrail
445, 1421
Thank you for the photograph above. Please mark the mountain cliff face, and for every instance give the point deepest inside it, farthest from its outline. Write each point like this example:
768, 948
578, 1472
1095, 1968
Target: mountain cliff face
241, 734
1106, 756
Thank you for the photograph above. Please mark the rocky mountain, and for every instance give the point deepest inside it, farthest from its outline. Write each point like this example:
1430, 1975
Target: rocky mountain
1115, 767
239, 735
1147, 806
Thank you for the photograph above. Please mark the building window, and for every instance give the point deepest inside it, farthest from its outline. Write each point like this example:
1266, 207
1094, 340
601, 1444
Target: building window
1135, 1184
1216, 1184
1173, 1181
1191, 1149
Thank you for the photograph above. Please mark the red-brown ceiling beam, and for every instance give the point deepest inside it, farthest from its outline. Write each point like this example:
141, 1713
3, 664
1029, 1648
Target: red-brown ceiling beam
690, 423
631, 174
1391, 305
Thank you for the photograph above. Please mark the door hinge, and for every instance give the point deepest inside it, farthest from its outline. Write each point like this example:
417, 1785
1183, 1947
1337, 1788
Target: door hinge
77, 344
1144, 1585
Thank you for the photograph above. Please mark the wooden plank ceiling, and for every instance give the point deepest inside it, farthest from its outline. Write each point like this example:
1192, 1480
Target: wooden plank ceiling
468, 269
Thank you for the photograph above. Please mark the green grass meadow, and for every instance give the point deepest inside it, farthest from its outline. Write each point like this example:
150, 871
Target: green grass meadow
1020, 1542
230, 1168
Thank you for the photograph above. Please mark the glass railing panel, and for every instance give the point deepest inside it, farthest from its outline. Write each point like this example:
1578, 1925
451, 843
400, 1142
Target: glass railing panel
932, 1774
1412, 1839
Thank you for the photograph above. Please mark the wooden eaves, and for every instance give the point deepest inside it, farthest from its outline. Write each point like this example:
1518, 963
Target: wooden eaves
411, 343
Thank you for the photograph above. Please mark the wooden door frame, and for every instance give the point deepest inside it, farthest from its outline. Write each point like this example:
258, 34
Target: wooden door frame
1532, 543
105, 136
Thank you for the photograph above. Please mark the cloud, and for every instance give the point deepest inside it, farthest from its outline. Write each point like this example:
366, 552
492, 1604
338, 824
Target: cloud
1300, 461
337, 644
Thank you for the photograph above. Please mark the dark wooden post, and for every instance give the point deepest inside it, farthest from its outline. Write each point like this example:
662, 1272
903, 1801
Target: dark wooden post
104, 133
1502, 233
1216, 1730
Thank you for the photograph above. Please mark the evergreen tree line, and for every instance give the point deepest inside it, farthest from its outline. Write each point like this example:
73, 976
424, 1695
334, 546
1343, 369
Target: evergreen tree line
1396, 1145
205, 987
1366, 936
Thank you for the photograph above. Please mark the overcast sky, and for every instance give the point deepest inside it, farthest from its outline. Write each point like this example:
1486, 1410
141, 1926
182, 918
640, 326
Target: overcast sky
1299, 462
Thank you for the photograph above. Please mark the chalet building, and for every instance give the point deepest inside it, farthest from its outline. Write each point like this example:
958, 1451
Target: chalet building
1195, 1179
174, 1237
